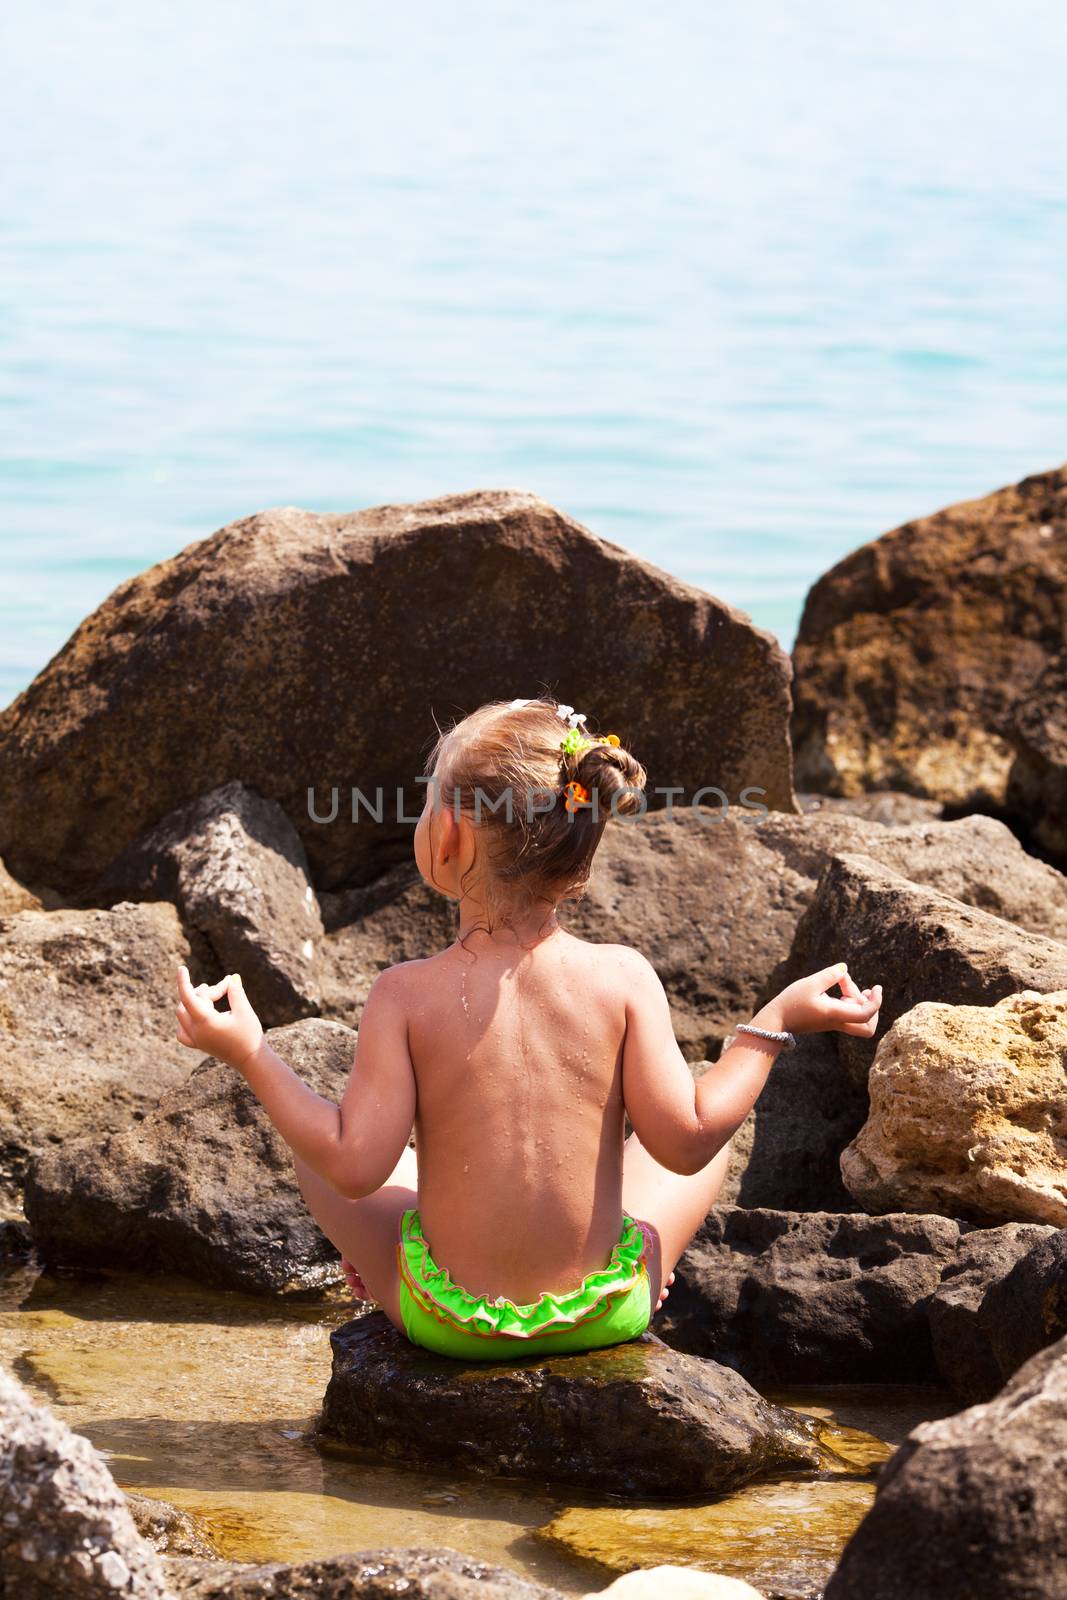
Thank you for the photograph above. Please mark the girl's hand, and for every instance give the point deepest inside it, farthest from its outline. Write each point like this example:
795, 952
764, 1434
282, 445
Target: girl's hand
233, 1036
807, 1006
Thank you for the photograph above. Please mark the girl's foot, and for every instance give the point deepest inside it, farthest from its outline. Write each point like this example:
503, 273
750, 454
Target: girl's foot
665, 1291
354, 1281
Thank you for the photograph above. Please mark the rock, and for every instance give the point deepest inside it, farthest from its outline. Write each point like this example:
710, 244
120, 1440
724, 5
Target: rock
235, 867
326, 645
1027, 1309
891, 807
169, 1530
415, 1574
396, 918
959, 1328
14, 896
811, 1298
915, 652
65, 1529
635, 1419
974, 1504
87, 1030
968, 1113
204, 1185
918, 943
677, 1583
1037, 781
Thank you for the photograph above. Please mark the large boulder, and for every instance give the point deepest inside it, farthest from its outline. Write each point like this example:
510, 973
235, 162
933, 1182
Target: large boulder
968, 1113
204, 1185
326, 645
1037, 782
415, 1574
974, 1504
963, 1312
811, 1298
87, 1029
916, 651
1027, 1309
65, 1528
635, 1419
234, 865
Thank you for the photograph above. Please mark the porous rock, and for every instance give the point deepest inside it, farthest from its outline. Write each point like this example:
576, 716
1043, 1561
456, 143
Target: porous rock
916, 651
974, 1504
65, 1528
961, 1329
326, 646
87, 1029
168, 1529
204, 1185
430, 1573
635, 1419
1027, 1309
234, 865
812, 1297
1037, 781
968, 1113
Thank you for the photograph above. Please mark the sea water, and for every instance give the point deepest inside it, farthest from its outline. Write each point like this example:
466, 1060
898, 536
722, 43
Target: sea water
738, 287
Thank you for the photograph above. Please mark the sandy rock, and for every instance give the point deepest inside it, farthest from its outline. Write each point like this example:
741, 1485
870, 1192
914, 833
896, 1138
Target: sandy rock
1027, 1309
327, 644
635, 1419
677, 1583
14, 896
968, 1113
915, 652
204, 1185
87, 1029
414, 1574
811, 1298
974, 1504
65, 1528
891, 807
234, 865
961, 1326
1037, 782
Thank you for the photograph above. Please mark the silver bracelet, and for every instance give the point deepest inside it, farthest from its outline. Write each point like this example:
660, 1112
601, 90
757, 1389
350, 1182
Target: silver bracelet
786, 1040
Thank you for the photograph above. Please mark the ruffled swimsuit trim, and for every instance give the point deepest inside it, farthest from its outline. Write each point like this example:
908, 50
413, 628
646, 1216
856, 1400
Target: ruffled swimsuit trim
433, 1290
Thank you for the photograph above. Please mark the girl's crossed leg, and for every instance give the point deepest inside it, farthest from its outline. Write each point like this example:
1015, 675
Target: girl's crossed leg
670, 1205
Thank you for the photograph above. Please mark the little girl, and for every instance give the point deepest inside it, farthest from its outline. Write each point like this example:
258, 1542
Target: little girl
523, 1221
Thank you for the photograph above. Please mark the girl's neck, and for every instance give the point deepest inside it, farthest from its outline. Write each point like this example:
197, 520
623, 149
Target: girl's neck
506, 927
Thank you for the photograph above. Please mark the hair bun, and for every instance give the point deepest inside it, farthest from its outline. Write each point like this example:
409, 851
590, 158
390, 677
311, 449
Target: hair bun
616, 778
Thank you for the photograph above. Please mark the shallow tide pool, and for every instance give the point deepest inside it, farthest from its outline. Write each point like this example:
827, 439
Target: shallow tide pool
206, 1398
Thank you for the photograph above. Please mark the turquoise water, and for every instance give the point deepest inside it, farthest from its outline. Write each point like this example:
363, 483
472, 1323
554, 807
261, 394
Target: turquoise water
739, 287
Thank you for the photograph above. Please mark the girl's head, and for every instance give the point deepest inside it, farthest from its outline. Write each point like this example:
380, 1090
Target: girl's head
518, 798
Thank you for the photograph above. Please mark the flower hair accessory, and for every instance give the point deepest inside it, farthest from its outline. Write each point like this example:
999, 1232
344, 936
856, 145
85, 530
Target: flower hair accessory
575, 795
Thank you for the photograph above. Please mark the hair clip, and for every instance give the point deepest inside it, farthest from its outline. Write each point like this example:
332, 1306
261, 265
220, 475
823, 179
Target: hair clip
573, 743
517, 705
573, 718
575, 795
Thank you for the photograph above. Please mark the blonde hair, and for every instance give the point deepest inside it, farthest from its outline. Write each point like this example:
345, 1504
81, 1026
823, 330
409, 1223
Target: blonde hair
504, 766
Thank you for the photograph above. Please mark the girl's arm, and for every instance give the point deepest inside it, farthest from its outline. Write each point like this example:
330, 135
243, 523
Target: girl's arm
683, 1124
354, 1146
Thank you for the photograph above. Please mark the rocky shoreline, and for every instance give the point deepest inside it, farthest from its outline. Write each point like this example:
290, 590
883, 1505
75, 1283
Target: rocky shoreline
897, 1211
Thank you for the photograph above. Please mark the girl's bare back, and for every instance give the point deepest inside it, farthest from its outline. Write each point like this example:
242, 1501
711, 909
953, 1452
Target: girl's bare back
517, 1057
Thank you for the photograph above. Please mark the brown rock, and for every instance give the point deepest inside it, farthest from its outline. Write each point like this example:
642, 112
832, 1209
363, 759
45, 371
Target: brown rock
14, 896
65, 1528
973, 1505
968, 1114
915, 652
204, 1185
235, 867
890, 807
168, 1529
1037, 782
961, 1328
635, 1419
326, 645
87, 1027
415, 1574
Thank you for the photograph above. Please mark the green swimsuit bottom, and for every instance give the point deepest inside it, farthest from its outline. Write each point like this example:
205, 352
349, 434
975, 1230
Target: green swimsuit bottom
607, 1307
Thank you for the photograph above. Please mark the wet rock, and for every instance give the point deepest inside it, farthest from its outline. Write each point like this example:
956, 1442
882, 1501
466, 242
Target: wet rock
326, 645
1027, 1309
974, 1504
916, 651
415, 1574
65, 1528
636, 1419
811, 1298
960, 1329
169, 1530
918, 943
1037, 781
204, 1185
87, 1031
234, 865
968, 1113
